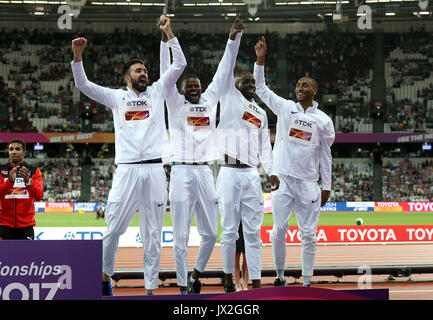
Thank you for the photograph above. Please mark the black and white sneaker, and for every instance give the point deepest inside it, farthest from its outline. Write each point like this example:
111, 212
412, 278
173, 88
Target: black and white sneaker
228, 288
107, 290
194, 287
280, 283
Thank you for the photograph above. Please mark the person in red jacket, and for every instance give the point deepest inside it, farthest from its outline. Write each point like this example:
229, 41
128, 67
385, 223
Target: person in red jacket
20, 186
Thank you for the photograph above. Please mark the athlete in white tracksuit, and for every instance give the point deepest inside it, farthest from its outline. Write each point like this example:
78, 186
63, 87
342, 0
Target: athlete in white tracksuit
141, 139
192, 124
303, 141
243, 139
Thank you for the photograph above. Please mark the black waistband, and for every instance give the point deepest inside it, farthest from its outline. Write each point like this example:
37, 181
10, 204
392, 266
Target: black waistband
234, 163
237, 165
159, 160
191, 163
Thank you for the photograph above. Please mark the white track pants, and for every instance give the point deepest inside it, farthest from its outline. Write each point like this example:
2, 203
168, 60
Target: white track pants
192, 190
303, 198
141, 187
240, 198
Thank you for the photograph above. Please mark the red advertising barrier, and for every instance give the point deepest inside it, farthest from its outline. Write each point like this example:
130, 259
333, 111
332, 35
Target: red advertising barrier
417, 206
359, 234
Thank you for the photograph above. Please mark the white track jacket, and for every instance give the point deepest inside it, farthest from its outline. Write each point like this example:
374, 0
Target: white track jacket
139, 121
303, 139
193, 136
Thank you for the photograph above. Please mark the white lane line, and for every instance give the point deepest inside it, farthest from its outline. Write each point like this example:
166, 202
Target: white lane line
410, 291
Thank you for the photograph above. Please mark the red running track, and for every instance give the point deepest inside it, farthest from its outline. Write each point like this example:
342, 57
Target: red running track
416, 287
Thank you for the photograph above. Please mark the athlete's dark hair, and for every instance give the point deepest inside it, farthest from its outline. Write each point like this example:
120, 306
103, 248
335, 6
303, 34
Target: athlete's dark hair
240, 76
315, 84
186, 77
21, 142
127, 65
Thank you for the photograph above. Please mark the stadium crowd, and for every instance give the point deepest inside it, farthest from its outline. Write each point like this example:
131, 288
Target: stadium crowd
62, 180
405, 180
352, 181
409, 78
34, 61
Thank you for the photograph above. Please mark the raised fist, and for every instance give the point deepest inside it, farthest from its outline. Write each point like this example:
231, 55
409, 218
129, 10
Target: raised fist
78, 45
237, 26
164, 23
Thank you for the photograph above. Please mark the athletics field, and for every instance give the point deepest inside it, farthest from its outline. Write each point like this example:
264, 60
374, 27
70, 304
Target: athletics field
326, 219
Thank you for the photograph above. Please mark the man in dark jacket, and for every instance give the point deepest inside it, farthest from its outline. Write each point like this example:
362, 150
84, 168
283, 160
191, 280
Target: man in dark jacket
20, 186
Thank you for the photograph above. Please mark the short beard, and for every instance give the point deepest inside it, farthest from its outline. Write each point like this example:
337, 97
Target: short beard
135, 85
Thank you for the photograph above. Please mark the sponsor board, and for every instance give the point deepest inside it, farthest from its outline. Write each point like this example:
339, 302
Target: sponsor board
383, 137
359, 234
50, 270
417, 206
39, 206
131, 238
86, 206
330, 206
325, 235
388, 206
96, 137
351, 206
59, 207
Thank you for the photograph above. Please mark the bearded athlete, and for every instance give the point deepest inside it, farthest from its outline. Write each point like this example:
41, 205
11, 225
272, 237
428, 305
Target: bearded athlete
141, 142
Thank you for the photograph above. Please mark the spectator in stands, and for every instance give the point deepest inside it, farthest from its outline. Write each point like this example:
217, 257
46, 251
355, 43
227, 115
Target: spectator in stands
20, 186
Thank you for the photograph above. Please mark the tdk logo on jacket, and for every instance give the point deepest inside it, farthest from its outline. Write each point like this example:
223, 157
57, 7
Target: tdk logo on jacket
198, 109
137, 103
304, 123
253, 107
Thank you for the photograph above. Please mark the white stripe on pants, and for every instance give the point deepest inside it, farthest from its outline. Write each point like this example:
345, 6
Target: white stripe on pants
303, 198
141, 187
240, 197
192, 190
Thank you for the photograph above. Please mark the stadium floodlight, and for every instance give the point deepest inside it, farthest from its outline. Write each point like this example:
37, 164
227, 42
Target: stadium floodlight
337, 16
76, 6
252, 6
338, 7
423, 4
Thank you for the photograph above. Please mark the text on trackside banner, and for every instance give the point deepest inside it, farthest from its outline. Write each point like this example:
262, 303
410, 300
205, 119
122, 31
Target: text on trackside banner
359, 234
